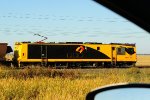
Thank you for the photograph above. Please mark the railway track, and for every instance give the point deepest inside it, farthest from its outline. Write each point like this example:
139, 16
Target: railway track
85, 67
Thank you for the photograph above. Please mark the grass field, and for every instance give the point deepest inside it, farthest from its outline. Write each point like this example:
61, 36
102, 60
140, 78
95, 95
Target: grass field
64, 84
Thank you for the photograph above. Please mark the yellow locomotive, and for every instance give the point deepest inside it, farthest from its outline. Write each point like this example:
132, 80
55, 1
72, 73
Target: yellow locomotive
74, 54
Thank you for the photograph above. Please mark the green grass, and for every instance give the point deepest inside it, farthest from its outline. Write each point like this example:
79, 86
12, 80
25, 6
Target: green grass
62, 84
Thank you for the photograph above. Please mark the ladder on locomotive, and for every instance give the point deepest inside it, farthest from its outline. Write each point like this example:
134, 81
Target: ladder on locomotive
44, 59
114, 56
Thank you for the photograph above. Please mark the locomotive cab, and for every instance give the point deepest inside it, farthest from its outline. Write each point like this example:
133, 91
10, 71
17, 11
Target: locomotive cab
124, 55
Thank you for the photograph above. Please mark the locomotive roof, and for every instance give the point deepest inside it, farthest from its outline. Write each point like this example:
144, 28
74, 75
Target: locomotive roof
127, 44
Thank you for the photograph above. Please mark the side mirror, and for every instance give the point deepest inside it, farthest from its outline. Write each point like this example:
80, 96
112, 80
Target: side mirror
121, 92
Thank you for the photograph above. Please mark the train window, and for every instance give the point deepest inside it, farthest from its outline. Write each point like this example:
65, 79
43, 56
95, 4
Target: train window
121, 51
130, 51
98, 48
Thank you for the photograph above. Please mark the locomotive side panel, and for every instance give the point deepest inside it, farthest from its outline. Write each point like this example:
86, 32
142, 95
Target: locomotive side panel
74, 52
67, 52
34, 51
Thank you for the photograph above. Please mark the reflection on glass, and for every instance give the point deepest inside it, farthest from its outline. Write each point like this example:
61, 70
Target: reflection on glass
124, 94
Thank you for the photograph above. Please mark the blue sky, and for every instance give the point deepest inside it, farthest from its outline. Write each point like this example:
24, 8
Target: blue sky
67, 20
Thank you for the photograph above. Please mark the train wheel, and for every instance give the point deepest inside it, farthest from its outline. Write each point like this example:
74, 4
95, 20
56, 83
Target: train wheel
21, 65
95, 65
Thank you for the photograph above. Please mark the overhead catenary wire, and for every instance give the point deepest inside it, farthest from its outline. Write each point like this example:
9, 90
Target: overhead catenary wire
58, 17
45, 38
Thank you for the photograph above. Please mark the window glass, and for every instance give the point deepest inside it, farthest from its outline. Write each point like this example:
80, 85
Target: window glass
130, 50
121, 51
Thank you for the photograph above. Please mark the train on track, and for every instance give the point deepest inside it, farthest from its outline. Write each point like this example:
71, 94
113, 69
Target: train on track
70, 54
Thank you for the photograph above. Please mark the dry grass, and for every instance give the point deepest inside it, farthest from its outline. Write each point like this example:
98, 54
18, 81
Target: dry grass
9, 57
62, 84
65, 84
143, 60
